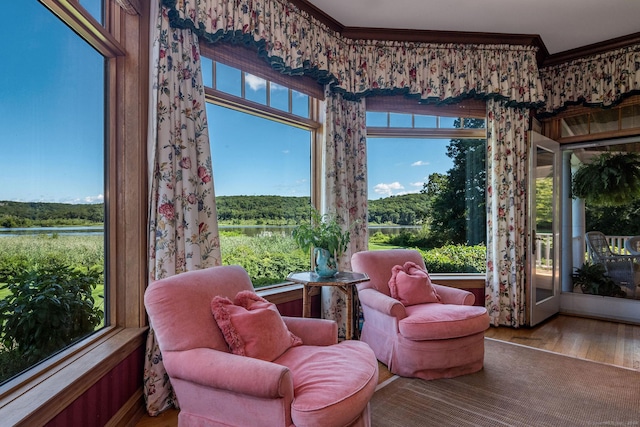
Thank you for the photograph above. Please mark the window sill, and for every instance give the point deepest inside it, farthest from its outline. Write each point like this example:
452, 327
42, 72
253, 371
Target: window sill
280, 294
460, 280
35, 399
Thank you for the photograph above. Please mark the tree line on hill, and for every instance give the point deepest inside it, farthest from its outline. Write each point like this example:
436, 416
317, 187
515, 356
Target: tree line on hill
42, 214
409, 209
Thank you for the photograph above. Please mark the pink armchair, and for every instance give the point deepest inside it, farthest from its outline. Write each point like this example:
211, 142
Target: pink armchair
318, 383
429, 340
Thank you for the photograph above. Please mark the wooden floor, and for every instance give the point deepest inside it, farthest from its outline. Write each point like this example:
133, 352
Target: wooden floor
597, 340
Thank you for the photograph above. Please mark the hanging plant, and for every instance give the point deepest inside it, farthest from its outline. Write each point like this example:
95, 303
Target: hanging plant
609, 180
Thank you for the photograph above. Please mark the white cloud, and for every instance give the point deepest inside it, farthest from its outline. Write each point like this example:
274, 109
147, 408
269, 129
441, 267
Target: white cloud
285, 151
388, 189
418, 184
420, 163
94, 199
255, 83
276, 86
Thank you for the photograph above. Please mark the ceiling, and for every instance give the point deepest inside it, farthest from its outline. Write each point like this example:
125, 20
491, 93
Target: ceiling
562, 25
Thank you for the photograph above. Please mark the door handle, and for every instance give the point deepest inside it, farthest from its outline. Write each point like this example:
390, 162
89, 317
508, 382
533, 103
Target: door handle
534, 243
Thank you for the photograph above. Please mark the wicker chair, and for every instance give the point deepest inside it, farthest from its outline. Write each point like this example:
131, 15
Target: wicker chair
632, 245
623, 269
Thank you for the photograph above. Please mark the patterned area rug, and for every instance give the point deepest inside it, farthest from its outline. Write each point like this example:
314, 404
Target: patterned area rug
519, 386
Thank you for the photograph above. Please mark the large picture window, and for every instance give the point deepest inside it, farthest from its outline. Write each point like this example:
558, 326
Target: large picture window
262, 137
52, 207
426, 178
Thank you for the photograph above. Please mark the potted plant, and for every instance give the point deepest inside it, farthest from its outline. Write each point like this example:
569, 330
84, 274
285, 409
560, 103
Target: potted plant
328, 240
609, 180
592, 279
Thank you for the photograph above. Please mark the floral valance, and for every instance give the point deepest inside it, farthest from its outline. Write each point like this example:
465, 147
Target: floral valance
296, 43
601, 80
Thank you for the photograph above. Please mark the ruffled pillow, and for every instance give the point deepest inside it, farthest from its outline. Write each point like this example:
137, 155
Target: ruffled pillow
252, 326
411, 285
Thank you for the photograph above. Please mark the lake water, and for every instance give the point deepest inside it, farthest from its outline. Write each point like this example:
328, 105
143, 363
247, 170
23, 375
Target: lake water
249, 230
66, 231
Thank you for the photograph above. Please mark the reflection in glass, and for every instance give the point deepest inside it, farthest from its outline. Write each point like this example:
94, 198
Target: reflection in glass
575, 126
603, 121
544, 263
630, 117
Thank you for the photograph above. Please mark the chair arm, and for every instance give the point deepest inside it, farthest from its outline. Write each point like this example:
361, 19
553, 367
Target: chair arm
382, 303
227, 371
313, 331
456, 296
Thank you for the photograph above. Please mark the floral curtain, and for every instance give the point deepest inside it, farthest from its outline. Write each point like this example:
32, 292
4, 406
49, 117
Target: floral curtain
297, 43
507, 155
183, 230
345, 186
600, 80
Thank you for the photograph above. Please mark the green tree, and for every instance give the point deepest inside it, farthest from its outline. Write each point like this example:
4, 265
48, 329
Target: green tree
458, 205
544, 204
47, 308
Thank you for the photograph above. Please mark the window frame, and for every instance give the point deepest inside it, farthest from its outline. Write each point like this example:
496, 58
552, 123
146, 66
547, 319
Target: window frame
244, 59
40, 393
465, 109
552, 126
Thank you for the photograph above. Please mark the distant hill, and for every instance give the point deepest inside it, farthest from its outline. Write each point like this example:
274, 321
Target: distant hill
30, 214
409, 209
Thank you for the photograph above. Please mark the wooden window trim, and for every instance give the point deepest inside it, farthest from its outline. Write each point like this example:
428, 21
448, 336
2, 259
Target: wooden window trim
250, 107
552, 128
380, 132
471, 108
247, 60
36, 401
39, 394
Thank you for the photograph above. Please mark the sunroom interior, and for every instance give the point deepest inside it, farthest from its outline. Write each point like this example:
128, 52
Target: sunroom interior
544, 115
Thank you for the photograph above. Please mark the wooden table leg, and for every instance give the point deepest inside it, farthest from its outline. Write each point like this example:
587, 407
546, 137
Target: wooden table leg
347, 291
306, 301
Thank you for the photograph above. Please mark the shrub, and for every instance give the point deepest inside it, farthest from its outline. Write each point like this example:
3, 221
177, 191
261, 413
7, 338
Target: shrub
47, 308
455, 258
268, 258
11, 363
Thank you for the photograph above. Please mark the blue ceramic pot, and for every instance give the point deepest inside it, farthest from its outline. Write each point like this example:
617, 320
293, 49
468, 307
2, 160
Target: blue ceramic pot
326, 265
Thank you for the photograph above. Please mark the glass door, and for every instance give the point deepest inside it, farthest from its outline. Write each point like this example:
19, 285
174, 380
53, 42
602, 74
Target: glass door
544, 260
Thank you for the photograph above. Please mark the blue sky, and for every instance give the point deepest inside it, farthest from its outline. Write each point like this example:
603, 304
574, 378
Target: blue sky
51, 108
278, 161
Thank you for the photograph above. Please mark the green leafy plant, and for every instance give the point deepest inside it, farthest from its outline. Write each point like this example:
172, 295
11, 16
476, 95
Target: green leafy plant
323, 232
593, 279
47, 308
609, 180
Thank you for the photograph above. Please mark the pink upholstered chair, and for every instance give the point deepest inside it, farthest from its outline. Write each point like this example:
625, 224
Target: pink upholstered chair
318, 383
430, 340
